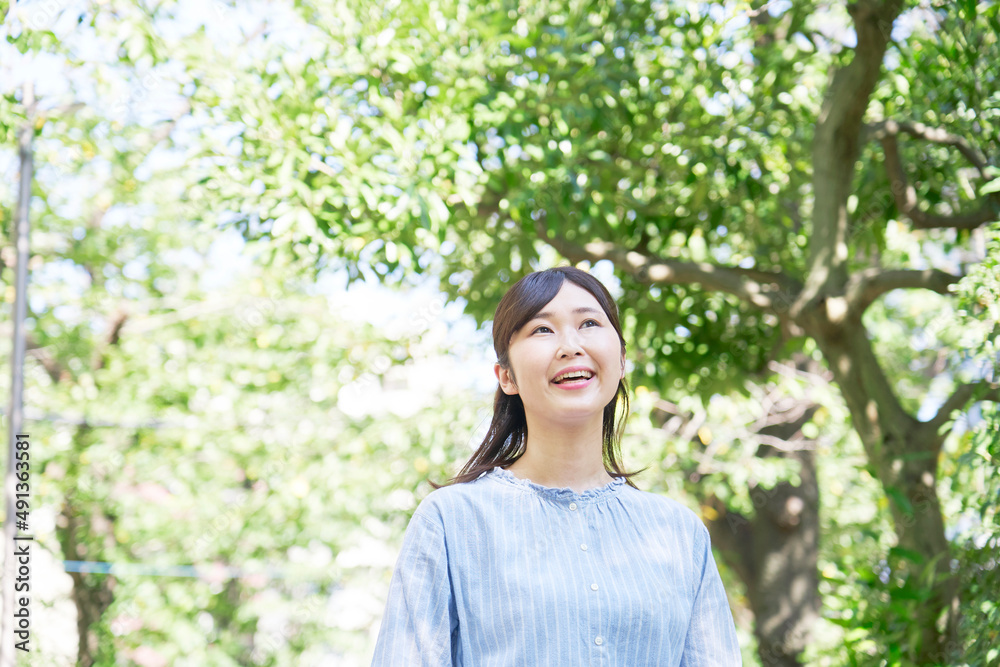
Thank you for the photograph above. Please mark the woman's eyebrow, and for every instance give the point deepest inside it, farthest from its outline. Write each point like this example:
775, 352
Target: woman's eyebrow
582, 309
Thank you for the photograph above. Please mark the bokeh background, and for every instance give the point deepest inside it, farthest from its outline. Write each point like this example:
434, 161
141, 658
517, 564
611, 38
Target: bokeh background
267, 238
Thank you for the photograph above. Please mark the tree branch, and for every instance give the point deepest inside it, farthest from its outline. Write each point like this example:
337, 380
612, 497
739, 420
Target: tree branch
906, 196
960, 398
866, 286
111, 340
934, 135
836, 146
771, 291
56, 371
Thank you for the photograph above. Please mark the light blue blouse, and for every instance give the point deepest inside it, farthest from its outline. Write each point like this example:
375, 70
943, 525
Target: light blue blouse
502, 571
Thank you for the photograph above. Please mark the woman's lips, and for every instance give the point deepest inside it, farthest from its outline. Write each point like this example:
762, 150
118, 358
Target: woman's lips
575, 384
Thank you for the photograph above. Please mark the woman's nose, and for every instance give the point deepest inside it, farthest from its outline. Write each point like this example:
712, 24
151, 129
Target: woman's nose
569, 345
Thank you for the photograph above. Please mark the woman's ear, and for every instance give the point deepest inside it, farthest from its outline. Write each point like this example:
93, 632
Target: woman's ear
506, 379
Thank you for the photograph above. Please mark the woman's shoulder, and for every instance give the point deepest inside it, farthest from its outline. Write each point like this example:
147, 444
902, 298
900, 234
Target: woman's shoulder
455, 497
664, 508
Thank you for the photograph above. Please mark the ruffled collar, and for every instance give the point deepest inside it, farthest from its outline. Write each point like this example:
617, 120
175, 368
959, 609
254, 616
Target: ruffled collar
563, 496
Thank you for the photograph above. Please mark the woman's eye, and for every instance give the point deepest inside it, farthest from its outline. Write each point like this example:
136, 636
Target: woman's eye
594, 323
539, 330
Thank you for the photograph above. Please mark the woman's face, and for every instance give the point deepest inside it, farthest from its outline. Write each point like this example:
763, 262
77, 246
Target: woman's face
570, 333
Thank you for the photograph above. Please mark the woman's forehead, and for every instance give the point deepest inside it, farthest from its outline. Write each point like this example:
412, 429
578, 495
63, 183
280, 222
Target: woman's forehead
571, 298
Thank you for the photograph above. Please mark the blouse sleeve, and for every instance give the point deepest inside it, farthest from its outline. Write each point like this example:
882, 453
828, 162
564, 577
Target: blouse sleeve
711, 637
420, 614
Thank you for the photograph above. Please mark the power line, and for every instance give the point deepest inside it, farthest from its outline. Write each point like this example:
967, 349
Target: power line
210, 572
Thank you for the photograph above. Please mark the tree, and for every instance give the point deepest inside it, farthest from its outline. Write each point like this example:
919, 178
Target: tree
978, 458
748, 174
206, 460
217, 496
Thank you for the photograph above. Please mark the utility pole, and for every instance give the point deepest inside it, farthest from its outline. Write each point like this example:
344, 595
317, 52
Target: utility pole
15, 414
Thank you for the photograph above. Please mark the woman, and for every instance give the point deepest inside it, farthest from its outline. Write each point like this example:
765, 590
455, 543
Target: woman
542, 551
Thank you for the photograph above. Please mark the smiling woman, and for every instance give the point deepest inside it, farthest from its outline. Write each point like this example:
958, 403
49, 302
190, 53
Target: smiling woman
541, 551
545, 311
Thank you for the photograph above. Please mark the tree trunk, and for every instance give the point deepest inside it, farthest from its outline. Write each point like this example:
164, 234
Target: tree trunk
775, 552
92, 593
82, 525
903, 452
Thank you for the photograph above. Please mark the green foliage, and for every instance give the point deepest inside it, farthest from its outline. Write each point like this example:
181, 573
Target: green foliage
610, 131
978, 545
975, 475
871, 588
223, 424
214, 438
589, 121
191, 404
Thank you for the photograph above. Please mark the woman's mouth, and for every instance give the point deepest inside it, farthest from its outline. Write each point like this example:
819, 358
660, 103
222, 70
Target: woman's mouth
574, 378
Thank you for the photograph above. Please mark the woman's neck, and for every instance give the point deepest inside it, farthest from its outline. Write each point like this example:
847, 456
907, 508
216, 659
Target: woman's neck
564, 456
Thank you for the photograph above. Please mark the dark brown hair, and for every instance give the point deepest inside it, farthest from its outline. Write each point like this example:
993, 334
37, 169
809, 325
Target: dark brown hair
508, 433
